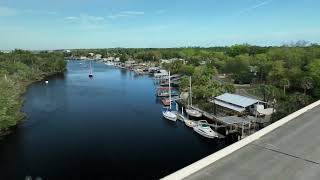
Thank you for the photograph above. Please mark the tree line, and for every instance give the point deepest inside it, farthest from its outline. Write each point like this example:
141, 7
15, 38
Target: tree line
18, 69
289, 74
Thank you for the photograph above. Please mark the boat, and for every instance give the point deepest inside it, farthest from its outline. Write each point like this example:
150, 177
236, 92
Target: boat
168, 114
190, 123
109, 63
204, 130
165, 101
189, 110
90, 74
194, 113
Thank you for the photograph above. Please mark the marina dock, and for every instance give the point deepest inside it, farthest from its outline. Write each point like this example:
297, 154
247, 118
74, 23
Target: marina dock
286, 149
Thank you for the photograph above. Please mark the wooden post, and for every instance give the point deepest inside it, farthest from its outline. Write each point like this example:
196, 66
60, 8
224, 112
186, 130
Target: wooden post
182, 111
242, 130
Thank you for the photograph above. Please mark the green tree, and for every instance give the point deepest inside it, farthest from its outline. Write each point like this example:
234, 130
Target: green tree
285, 83
306, 84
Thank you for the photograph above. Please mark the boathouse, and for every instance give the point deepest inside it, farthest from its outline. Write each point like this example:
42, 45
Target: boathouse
237, 105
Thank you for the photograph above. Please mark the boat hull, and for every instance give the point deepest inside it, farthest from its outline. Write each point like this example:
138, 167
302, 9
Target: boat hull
190, 123
169, 116
211, 136
193, 113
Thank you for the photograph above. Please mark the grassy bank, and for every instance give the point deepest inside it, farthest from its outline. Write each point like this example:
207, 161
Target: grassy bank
19, 69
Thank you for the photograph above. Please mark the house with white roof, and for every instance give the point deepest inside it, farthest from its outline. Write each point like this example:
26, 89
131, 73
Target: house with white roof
98, 56
236, 104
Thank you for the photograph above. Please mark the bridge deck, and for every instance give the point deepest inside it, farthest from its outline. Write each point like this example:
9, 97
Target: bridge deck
292, 151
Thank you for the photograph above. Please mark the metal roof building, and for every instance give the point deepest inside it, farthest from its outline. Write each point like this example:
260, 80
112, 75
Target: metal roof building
235, 102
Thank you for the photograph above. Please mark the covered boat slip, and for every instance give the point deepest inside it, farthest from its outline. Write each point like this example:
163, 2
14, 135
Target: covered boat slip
232, 124
240, 105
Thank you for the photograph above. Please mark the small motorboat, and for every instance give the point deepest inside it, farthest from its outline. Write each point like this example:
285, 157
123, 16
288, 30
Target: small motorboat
169, 115
194, 113
108, 63
204, 130
190, 123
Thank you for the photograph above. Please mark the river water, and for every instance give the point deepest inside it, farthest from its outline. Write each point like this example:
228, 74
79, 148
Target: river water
108, 127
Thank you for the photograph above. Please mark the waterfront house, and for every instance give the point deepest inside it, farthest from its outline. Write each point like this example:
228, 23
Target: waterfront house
83, 58
110, 59
161, 74
240, 105
117, 59
98, 56
172, 60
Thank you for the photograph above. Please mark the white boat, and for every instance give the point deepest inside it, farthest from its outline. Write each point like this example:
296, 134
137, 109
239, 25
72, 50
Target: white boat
190, 123
108, 63
204, 130
90, 74
194, 113
167, 113
189, 110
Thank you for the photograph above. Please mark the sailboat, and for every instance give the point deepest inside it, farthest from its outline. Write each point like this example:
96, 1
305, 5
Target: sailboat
204, 130
90, 74
167, 113
189, 110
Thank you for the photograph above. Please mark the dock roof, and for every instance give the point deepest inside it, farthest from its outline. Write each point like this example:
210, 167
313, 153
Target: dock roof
238, 100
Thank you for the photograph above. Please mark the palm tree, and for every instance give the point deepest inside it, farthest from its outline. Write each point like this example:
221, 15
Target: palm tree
286, 84
306, 83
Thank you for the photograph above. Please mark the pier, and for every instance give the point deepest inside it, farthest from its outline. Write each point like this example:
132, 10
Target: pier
231, 124
286, 149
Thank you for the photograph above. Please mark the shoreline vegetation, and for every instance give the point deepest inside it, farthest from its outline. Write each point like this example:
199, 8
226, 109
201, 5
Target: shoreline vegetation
19, 69
286, 77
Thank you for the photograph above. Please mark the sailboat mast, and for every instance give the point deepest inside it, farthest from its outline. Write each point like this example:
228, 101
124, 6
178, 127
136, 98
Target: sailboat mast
190, 92
169, 90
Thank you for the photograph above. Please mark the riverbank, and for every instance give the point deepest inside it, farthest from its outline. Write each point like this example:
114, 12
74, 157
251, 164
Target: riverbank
76, 119
19, 69
22, 87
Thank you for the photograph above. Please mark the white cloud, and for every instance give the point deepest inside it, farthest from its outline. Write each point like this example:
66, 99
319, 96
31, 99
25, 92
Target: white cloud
85, 21
263, 3
161, 11
126, 14
71, 18
6, 11
133, 13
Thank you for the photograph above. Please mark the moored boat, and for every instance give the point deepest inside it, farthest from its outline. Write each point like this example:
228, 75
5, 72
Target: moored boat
167, 113
90, 74
204, 130
190, 123
194, 113
189, 110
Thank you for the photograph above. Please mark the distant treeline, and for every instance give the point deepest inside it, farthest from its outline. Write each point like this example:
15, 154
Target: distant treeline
17, 70
297, 63
290, 74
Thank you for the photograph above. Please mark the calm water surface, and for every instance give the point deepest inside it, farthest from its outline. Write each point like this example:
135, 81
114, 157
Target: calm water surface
109, 127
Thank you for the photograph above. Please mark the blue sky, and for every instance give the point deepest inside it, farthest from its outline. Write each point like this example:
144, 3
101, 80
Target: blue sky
57, 24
